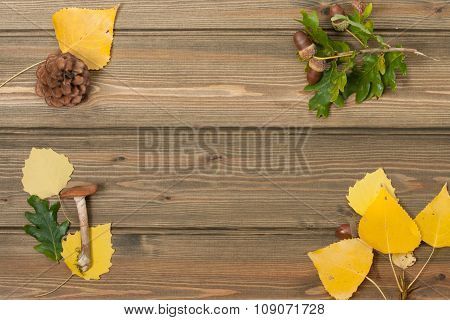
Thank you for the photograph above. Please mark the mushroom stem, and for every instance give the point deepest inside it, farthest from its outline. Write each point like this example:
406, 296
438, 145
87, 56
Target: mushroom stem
84, 258
79, 194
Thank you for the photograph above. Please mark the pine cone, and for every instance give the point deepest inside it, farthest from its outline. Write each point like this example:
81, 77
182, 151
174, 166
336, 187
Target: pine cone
62, 80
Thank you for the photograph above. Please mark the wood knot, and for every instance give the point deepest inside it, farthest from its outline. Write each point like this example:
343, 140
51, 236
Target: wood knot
214, 157
119, 158
441, 276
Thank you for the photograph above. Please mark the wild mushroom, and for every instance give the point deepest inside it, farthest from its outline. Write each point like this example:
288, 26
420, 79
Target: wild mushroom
79, 194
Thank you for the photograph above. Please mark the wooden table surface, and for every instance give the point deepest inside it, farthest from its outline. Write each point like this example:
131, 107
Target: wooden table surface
217, 87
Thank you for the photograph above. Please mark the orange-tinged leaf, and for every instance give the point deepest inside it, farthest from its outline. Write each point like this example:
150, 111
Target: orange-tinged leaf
343, 266
387, 227
101, 252
434, 220
86, 33
364, 192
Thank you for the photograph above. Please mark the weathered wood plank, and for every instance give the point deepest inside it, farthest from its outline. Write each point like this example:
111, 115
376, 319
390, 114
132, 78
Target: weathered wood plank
235, 80
228, 14
229, 184
215, 265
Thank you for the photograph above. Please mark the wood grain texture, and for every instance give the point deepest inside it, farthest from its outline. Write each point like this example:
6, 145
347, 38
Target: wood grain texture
223, 14
221, 181
205, 204
204, 265
197, 79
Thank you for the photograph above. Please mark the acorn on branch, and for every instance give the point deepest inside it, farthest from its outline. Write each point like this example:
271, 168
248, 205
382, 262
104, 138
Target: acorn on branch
62, 80
335, 9
313, 76
340, 24
315, 71
317, 65
306, 48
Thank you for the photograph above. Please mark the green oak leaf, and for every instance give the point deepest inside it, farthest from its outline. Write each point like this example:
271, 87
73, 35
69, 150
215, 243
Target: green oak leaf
367, 11
45, 227
395, 61
362, 27
328, 91
367, 82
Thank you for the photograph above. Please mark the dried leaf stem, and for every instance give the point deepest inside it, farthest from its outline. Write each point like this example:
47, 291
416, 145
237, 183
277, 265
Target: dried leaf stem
59, 286
421, 270
395, 274
64, 211
376, 286
20, 72
375, 50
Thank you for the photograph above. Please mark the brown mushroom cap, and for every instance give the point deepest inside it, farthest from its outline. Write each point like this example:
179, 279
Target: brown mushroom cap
79, 191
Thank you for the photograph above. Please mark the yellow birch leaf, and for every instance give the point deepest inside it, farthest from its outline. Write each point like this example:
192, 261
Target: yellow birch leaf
86, 33
343, 266
101, 252
45, 173
387, 227
434, 220
364, 192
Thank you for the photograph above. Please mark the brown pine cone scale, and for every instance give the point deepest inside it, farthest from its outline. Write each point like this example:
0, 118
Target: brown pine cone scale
62, 80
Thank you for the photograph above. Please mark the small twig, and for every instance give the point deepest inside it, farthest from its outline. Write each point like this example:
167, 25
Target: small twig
62, 209
402, 280
376, 286
375, 50
395, 274
20, 72
50, 292
421, 270
357, 39
341, 55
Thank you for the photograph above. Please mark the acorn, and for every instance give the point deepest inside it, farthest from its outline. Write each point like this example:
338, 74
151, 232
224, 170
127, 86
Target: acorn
344, 232
335, 9
306, 48
338, 25
312, 76
317, 65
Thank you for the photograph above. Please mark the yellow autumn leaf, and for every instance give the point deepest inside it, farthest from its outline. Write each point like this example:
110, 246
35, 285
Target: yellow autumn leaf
343, 266
101, 252
434, 220
45, 173
387, 227
86, 33
364, 192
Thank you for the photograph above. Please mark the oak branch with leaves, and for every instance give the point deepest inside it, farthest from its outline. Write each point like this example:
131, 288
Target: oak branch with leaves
335, 70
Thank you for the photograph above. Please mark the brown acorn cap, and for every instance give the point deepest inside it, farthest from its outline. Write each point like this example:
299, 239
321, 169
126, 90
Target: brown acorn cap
317, 65
308, 52
78, 191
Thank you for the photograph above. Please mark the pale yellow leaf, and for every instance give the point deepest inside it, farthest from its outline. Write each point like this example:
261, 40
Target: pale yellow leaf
101, 252
364, 192
387, 227
343, 266
86, 33
45, 173
404, 260
434, 220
